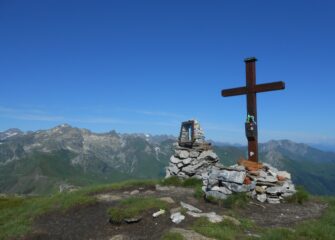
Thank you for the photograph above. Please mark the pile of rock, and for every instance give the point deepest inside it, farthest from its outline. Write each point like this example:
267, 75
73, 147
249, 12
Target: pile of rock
193, 155
190, 162
266, 184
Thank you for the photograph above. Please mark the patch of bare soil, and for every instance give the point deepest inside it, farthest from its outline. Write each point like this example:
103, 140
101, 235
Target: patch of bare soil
91, 222
284, 214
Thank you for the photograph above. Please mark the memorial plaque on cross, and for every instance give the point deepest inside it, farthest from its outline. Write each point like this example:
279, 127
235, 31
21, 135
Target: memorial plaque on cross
251, 89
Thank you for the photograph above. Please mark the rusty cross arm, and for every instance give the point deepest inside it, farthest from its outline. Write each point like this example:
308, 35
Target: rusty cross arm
257, 88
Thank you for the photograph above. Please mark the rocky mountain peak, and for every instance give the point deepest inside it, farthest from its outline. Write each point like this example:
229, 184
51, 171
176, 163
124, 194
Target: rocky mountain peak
10, 133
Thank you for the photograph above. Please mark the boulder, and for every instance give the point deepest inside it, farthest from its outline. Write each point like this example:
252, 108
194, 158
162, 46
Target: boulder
232, 176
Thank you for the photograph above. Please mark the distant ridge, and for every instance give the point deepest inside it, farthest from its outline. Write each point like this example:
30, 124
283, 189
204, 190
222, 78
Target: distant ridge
41, 161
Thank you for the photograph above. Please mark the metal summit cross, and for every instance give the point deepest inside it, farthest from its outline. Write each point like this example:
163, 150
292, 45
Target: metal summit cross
251, 89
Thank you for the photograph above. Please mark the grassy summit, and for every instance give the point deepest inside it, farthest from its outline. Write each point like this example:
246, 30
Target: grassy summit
18, 215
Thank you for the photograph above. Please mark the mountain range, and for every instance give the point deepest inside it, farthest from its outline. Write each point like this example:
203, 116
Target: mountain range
38, 162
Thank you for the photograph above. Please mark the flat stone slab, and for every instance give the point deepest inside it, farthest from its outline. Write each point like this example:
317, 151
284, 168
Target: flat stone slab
208, 155
190, 207
232, 176
167, 199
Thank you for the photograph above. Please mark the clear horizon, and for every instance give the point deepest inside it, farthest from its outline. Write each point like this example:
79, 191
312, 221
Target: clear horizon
147, 66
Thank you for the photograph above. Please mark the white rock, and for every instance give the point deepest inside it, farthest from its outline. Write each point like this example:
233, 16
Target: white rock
216, 195
160, 212
179, 165
208, 155
190, 207
174, 160
232, 176
192, 168
273, 200
173, 169
182, 175
177, 217
194, 154
221, 189
212, 216
187, 161
269, 179
288, 188
272, 173
134, 192
261, 197
182, 154
262, 174
274, 190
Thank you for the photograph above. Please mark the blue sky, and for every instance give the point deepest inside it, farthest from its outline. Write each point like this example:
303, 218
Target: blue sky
145, 66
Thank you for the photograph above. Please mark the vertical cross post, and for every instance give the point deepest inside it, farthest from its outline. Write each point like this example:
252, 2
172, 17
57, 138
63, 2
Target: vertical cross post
250, 69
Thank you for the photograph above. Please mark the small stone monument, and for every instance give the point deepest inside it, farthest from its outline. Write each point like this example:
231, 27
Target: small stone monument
193, 155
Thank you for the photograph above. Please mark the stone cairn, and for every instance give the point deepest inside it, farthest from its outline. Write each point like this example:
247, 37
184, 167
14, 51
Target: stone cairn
265, 183
194, 157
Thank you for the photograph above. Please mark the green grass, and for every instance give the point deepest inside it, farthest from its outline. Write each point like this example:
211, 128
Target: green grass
178, 182
224, 230
172, 236
300, 196
17, 213
134, 207
233, 201
194, 183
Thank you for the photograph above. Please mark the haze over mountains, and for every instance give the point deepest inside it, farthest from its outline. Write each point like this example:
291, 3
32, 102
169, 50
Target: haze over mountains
39, 162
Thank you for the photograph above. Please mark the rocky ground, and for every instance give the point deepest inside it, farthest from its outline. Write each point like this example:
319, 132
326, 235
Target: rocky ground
92, 221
